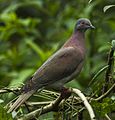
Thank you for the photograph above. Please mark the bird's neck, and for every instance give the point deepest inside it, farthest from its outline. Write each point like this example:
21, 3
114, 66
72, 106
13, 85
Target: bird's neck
76, 40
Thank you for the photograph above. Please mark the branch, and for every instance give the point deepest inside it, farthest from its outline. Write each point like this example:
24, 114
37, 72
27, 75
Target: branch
109, 69
108, 118
106, 93
7, 90
87, 105
56, 105
38, 103
53, 106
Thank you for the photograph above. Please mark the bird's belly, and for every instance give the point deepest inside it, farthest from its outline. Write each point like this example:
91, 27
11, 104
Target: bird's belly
60, 83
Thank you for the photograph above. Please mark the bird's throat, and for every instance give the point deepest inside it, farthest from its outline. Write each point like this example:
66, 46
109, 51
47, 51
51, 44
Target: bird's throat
76, 40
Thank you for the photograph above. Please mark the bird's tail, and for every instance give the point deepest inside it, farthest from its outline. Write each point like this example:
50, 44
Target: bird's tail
22, 98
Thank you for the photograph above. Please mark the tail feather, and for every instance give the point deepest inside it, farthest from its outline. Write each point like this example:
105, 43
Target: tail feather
22, 98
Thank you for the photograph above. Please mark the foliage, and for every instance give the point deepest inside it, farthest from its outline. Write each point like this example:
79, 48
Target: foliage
4, 115
32, 30
105, 107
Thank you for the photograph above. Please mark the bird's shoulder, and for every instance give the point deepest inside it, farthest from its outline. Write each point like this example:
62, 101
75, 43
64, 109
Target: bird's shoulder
66, 51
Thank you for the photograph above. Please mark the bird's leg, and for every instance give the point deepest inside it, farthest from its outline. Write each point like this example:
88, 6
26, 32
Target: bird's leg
65, 93
27, 107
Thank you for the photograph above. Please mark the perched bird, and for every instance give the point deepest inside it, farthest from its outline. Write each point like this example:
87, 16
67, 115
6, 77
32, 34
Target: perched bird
61, 67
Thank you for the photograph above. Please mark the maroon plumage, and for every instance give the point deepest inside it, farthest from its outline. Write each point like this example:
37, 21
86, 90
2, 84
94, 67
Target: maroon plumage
61, 67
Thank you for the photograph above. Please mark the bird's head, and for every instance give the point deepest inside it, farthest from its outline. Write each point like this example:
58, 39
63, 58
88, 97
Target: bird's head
83, 24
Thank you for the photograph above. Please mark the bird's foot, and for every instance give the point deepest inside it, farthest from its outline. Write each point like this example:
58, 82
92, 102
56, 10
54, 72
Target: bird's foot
65, 93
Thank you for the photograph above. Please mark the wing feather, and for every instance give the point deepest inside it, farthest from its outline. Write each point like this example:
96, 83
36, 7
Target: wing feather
59, 66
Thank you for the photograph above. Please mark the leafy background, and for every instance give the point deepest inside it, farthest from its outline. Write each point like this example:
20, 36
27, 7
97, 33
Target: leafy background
32, 30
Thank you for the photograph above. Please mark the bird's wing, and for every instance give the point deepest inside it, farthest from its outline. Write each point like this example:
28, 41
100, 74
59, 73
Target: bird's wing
61, 65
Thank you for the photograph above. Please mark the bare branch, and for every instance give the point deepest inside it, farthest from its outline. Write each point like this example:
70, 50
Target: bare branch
53, 106
108, 118
57, 104
106, 93
87, 105
38, 103
7, 90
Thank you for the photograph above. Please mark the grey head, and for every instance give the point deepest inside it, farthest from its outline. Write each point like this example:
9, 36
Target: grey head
83, 24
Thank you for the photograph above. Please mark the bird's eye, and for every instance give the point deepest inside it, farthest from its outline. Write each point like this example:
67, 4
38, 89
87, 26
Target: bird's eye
83, 23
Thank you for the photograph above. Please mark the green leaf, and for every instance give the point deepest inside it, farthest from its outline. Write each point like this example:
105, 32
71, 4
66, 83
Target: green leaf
21, 77
15, 6
98, 73
106, 106
4, 115
35, 47
1, 101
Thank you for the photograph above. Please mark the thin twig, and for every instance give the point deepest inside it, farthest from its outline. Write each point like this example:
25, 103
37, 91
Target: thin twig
106, 93
97, 99
83, 108
38, 103
53, 106
8, 90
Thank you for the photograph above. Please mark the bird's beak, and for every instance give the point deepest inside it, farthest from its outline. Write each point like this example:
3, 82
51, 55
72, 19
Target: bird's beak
92, 27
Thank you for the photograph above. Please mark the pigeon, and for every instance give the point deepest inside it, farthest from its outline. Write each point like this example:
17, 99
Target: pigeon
61, 67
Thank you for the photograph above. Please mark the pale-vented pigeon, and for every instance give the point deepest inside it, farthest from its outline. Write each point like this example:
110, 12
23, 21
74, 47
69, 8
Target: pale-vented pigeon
61, 67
